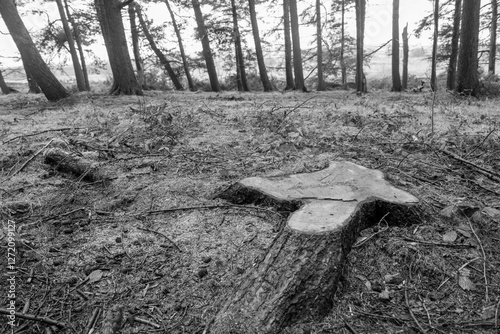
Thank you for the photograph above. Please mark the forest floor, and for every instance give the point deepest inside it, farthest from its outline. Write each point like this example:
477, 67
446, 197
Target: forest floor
153, 237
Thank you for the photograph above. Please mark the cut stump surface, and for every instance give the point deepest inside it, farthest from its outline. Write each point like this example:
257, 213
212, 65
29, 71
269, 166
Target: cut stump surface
299, 273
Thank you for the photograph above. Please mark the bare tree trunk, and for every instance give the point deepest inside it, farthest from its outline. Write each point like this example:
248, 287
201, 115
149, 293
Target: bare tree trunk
258, 48
493, 37
297, 51
396, 79
33, 62
452, 65
78, 40
467, 76
360, 32
405, 57
343, 67
434, 46
319, 42
241, 76
3, 85
163, 60
205, 42
181, 47
110, 19
33, 87
135, 45
80, 82
290, 84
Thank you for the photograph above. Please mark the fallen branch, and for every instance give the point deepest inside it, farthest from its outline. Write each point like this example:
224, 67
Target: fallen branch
38, 133
493, 175
147, 322
32, 157
163, 235
34, 318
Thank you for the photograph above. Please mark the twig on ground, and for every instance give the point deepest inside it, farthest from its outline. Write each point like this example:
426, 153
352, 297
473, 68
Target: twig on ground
422, 330
163, 235
208, 207
147, 322
92, 320
493, 175
34, 318
38, 133
348, 326
32, 157
497, 327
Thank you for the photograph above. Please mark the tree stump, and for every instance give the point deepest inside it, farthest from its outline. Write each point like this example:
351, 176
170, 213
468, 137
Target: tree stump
299, 274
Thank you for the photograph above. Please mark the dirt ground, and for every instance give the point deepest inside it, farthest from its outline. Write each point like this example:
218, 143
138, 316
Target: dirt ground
148, 235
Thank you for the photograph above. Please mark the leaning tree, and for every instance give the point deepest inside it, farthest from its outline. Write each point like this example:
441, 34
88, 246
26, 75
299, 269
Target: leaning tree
32, 61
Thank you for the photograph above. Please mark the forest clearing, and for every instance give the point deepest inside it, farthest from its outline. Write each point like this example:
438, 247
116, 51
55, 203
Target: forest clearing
150, 239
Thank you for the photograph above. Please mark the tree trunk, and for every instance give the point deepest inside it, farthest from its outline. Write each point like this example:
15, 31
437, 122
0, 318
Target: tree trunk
135, 45
33, 87
290, 84
299, 273
343, 67
241, 76
258, 48
3, 85
319, 44
205, 42
451, 78
33, 62
163, 60
297, 51
406, 52
80, 81
110, 19
435, 46
467, 76
181, 47
360, 32
396, 79
493, 37
78, 40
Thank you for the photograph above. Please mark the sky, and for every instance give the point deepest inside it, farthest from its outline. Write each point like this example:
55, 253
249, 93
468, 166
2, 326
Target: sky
377, 25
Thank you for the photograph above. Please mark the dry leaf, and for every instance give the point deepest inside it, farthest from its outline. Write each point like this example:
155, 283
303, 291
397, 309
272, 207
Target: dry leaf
449, 211
492, 213
95, 276
450, 236
464, 281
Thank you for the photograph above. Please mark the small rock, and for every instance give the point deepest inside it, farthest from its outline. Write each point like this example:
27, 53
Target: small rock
202, 272
206, 259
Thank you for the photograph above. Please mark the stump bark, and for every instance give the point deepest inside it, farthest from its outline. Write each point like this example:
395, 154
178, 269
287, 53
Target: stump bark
299, 274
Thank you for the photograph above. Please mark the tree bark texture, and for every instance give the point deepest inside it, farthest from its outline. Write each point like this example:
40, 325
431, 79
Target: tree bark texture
451, 78
297, 51
493, 37
80, 81
406, 52
396, 79
467, 76
319, 50
360, 32
241, 76
78, 40
163, 60
264, 78
32, 61
134, 32
299, 274
181, 47
290, 84
343, 66
3, 85
207, 51
110, 19
435, 46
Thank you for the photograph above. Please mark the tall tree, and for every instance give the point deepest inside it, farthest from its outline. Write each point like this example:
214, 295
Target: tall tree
451, 77
493, 37
467, 76
319, 44
297, 51
207, 51
80, 82
110, 19
406, 52
33, 62
241, 77
181, 47
396, 79
258, 48
360, 32
343, 66
163, 60
134, 32
435, 46
78, 40
290, 84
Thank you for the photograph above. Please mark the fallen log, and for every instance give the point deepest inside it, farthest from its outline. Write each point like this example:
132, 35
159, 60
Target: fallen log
69, 163
299, 274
